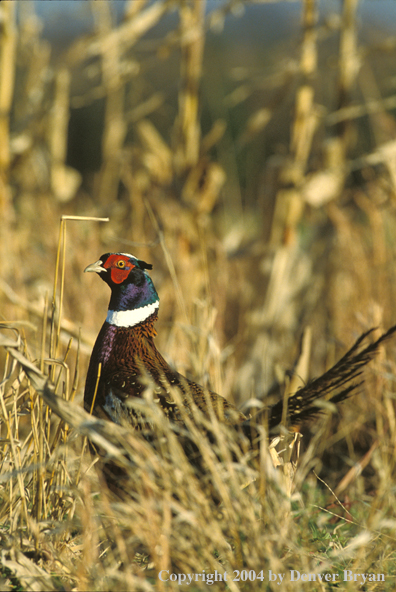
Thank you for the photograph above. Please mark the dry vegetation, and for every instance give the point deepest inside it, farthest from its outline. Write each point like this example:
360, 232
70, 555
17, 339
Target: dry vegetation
266, 202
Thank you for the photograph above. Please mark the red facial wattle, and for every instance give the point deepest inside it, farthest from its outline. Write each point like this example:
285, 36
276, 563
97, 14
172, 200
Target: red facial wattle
118, 274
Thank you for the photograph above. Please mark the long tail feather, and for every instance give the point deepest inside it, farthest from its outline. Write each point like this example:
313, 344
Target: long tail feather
303, 404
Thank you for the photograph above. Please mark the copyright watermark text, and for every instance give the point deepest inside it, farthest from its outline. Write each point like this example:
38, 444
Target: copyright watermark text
292, 575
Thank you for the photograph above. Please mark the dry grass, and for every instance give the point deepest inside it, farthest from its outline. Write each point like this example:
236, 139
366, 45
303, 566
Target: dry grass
61, 526
256, 239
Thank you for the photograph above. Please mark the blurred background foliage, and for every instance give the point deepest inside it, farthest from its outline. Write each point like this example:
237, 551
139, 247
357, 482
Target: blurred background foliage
246, 149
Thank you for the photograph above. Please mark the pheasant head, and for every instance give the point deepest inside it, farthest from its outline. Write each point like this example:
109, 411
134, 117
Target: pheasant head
133, 296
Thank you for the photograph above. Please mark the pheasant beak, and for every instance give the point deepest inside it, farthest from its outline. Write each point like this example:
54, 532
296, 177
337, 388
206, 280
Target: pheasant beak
97, 267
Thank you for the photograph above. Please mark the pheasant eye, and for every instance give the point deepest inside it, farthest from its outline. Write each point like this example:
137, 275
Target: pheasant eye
121, 264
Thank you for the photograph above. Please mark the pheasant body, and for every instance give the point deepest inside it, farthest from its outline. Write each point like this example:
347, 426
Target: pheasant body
125, 362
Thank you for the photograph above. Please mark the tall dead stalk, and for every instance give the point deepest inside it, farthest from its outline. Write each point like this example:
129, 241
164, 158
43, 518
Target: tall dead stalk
192, 39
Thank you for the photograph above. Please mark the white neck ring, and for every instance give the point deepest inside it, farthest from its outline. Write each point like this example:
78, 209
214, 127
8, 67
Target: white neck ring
130, 318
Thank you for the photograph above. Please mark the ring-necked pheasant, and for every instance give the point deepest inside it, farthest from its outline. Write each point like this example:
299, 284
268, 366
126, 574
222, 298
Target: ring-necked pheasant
124, 358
